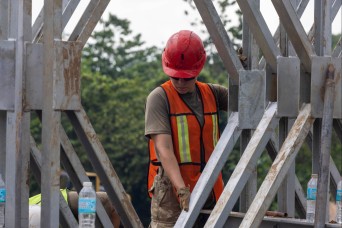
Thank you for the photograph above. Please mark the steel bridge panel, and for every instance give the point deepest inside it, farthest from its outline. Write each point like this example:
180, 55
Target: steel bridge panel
52, 62
244, 168
211, 171
91, 23
279, 168
83, 20
319, 70
67, 86
252, 93
299, 11
7, 69
288, 73
260, 31
3, 19
34, 76
295, 31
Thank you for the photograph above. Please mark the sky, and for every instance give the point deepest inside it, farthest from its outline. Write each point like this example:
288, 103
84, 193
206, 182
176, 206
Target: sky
157, 20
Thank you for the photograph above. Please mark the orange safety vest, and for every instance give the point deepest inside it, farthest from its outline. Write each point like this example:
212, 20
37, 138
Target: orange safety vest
192, 143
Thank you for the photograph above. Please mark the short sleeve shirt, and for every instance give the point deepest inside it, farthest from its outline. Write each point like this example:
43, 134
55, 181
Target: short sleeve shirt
157, 110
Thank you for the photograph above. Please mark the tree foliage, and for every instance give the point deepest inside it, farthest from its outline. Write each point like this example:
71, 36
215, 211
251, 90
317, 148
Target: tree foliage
118, 73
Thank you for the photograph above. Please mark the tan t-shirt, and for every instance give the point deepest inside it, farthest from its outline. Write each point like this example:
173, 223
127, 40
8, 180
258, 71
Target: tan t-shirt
156, 111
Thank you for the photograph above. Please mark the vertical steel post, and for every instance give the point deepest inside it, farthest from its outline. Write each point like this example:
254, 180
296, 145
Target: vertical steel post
3, 36
51, 118
3, 144
18, 122
250, 50
322, 45
286, 191
324, 161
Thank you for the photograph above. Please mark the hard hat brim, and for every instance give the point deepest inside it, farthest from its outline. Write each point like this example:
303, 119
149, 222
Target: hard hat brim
182, 73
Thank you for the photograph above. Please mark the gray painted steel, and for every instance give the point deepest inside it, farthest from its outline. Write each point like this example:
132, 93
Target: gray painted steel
294, 76
52, 62
319, 69
252, 93
260, 31
286, 191
322, 205
280, 166
103, 167
288, 89
244, 168
220, 38
250, 189
272, 222
211, 171
7, 66
67, 85
295, 31
72, 164
67, 218
34, 76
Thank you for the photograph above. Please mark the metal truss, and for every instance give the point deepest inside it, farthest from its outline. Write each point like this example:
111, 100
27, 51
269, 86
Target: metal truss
40, 72
294, 114
275, 103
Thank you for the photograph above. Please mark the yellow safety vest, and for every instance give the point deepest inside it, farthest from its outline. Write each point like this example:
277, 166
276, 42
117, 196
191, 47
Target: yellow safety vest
37, 199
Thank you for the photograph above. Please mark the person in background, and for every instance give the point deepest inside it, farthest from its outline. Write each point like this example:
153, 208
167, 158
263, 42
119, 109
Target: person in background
71, 198
182, 127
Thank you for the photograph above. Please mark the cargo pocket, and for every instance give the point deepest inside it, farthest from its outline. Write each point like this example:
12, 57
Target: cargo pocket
165, 206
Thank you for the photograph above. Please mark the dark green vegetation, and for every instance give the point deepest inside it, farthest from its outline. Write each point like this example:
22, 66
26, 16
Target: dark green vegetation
118, 72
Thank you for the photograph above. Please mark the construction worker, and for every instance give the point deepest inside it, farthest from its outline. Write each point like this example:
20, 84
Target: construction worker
182, 125
71, 197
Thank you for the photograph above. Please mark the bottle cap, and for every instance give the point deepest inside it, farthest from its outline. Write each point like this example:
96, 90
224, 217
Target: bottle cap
87, 184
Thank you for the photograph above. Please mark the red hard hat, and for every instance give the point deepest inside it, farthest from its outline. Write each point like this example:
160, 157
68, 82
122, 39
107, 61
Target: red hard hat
184, 55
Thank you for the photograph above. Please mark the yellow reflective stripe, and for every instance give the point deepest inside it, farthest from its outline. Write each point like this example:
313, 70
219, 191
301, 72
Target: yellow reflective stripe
183, 139
215, 128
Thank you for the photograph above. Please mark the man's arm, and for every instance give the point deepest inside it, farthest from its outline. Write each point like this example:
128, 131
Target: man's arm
164, 148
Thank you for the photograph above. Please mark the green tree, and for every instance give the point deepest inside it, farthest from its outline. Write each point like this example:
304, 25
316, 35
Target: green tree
114, 48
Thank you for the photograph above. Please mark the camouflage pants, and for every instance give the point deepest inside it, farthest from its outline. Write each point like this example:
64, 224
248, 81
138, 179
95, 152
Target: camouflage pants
165, 207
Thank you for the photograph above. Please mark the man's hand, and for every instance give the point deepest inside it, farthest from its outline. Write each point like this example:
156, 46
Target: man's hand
184, 197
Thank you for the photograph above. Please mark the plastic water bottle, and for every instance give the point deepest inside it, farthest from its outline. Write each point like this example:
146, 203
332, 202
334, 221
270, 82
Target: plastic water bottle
311, 198
2, 201
87, 206
339, 203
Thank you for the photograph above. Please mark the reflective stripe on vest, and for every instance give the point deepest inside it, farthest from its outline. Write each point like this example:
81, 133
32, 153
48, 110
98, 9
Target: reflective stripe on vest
215, 129
183, 138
